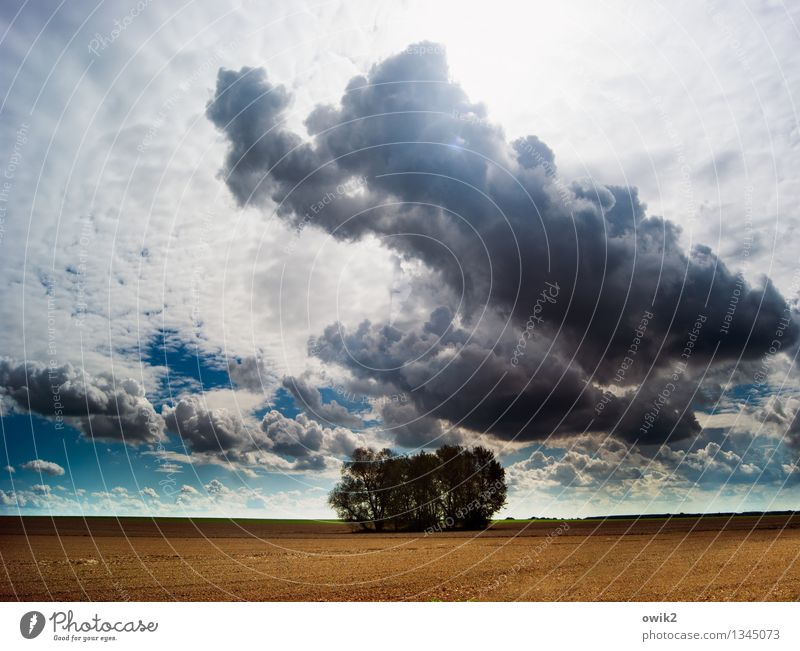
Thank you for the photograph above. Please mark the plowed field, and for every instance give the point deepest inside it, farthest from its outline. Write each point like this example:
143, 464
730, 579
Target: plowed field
679, 559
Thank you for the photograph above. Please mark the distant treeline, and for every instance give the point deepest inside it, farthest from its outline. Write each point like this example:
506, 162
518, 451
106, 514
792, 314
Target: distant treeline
667, 516
454, 487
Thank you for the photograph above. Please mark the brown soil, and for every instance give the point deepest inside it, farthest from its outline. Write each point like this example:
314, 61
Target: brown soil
139, 559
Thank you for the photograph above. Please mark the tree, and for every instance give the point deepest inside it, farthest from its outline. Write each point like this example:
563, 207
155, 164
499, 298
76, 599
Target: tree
487, 488
361, 496
455, 487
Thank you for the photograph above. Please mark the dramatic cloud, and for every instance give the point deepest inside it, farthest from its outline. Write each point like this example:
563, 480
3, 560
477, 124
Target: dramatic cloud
204, 429
783, 414
101, 406
419, 224
602, 469
46, 467
252, 374
304, 438
309, 399
221, 437
562, 307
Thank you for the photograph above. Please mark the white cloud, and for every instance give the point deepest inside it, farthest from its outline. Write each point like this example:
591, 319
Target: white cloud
46, 467
149, 492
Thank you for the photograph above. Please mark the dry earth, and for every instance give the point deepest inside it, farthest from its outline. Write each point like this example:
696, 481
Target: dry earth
742, 558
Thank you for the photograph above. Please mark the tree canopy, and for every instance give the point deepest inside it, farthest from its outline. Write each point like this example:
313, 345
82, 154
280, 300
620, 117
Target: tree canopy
453, 487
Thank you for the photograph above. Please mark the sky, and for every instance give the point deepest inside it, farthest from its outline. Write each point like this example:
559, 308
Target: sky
239, 240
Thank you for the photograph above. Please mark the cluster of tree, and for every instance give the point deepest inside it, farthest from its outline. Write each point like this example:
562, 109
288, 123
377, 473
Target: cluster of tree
454, 487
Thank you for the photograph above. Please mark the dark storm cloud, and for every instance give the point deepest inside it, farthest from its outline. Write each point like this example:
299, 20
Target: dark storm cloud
411, 430
473, 384
101, 406
439, 174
